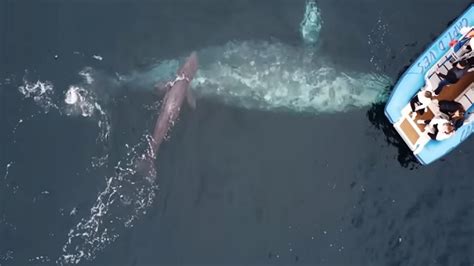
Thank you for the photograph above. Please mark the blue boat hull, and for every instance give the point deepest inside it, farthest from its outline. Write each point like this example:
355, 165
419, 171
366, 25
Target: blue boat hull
413, 80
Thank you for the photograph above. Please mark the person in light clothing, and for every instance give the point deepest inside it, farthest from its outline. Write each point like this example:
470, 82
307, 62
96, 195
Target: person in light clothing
440, 128
420, 102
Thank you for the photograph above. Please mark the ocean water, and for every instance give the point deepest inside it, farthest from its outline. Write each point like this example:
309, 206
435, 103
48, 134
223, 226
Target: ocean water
287, 159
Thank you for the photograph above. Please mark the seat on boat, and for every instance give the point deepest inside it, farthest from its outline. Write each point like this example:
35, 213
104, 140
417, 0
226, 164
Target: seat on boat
457, 90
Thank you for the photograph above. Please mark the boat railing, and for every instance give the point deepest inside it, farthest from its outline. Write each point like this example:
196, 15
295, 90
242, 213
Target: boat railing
459, 52
454, 54
447, 58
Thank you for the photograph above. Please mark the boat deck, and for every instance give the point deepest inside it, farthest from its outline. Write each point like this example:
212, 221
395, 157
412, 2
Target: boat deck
413, 132
451, 92
455, 44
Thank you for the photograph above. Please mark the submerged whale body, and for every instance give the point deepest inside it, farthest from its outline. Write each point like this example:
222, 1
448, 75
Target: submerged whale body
273, 76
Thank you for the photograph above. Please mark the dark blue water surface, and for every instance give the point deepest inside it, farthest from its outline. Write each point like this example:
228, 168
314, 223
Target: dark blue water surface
235, 186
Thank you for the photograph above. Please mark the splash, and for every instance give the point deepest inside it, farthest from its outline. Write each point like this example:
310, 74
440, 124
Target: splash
41, 92
78, 100
134, 193
127, 196
273, 76
311, 24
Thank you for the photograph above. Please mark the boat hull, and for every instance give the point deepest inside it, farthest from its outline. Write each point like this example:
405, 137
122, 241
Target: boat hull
414, 79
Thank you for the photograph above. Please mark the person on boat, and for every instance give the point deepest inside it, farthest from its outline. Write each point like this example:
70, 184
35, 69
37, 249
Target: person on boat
454, 74
458, 119
440, 128
450, 107
469, 34
454, 110
420, 102
462, 47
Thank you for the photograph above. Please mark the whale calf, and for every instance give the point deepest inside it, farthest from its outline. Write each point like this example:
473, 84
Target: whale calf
175, 93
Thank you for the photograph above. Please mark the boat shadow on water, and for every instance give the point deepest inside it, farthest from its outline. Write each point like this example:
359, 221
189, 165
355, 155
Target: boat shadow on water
377, 117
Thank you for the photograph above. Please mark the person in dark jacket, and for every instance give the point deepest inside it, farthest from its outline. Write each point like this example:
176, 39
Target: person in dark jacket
454, 110
454, 74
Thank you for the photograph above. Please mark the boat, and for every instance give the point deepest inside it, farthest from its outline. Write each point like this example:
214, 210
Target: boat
452, 46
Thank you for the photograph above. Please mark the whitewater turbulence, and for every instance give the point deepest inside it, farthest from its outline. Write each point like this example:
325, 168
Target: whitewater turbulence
127, 196
79, 100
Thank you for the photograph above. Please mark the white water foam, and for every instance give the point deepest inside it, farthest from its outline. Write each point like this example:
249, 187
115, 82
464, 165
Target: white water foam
78, 100
41, 92
126, 197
